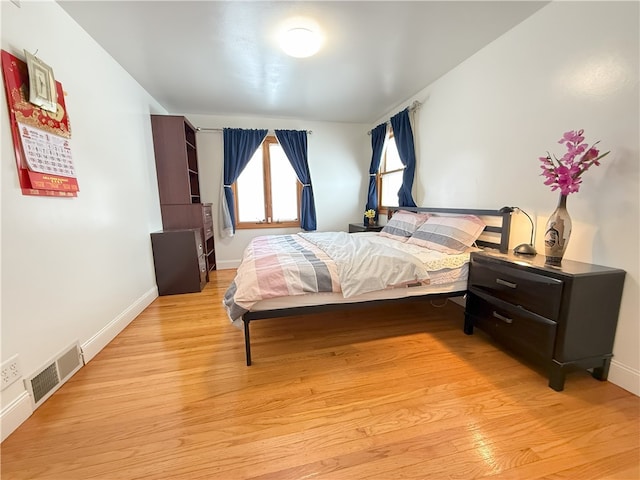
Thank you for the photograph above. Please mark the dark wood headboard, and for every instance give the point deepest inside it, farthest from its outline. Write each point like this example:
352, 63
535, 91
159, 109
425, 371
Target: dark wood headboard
495, 234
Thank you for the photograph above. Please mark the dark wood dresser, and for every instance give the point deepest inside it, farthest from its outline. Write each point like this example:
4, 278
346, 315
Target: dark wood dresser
562, 318
176, 155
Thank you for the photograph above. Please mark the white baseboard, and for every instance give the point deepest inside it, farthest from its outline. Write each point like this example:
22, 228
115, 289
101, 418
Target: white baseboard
14, 414
227, 264
625, 377
101, 339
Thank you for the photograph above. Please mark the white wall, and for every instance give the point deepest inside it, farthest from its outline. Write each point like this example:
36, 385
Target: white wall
76, 269
483, 126
339, 153
80, 269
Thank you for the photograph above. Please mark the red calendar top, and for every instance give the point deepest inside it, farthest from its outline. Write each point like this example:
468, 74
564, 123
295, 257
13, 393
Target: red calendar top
16, 80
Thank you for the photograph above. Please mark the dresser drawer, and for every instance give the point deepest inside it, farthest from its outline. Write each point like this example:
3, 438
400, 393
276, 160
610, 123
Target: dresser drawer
207, 214
536, 293
207, 221
514, 327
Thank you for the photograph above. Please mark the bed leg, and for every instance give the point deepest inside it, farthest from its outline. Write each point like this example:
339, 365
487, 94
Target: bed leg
247, 342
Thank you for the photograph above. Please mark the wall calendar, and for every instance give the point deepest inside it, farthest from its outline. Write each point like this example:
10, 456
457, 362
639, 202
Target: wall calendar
40, 137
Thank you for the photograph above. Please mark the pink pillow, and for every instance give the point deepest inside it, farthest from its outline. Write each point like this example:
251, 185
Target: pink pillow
451, 235
403, 224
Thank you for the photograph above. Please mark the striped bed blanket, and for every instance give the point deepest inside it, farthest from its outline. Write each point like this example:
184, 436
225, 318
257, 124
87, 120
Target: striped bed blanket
304, 263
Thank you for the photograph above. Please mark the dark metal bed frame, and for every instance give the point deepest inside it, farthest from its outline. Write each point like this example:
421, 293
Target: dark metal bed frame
502, 245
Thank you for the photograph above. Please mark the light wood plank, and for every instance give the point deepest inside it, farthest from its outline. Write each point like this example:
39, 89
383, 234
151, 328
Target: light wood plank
382, 392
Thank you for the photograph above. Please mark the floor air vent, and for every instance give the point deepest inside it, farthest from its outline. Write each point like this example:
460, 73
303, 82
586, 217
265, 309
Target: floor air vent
44, 382
47, 380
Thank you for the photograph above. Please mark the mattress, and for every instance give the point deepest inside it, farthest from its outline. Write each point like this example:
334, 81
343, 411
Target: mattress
442, 281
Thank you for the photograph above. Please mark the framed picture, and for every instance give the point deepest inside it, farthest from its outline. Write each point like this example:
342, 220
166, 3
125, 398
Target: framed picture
42, 84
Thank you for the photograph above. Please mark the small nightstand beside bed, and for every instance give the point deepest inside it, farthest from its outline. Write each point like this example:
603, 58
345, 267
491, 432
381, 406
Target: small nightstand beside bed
563, 318
421, 252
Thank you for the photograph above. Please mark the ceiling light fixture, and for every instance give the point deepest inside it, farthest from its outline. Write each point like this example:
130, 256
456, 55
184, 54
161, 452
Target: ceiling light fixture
300, 42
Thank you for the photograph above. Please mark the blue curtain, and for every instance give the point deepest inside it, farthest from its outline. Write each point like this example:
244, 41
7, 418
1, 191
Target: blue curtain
404, 141
239, 146
378, 136
294, 144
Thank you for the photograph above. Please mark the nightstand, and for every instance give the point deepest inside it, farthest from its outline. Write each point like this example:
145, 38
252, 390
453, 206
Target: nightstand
563, 318
361, 227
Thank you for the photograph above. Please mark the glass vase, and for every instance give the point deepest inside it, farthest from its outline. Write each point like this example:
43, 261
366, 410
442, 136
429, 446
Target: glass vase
557, 233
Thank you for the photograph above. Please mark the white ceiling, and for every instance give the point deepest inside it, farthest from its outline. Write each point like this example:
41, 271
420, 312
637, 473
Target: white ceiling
222, 57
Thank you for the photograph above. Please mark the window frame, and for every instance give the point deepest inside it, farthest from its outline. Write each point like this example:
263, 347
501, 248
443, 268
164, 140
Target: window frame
267, 202
384, 209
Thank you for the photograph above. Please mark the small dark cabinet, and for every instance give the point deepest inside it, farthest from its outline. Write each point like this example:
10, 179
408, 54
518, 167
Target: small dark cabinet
563, 318
179, 260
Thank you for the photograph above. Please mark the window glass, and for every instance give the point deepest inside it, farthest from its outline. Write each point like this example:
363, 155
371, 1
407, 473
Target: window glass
250, 191
284, 188
267, 191
393, 161
389, 176
391, 183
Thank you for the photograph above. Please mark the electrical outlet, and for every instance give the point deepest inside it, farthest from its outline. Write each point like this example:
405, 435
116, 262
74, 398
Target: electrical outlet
10, 371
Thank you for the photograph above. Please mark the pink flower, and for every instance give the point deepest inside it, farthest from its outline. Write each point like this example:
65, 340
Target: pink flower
591, 154
564, 173
572, 137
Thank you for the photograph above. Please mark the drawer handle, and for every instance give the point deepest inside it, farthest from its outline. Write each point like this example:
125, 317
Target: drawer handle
503, 318
505, 283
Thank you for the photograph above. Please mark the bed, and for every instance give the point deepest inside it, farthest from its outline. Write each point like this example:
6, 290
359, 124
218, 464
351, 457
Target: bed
287, 275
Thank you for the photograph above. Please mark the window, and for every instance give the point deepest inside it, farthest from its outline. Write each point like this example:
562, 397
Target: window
267, 191
389, 176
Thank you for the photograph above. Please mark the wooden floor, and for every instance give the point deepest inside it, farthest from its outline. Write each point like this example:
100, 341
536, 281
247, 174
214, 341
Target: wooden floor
381, 393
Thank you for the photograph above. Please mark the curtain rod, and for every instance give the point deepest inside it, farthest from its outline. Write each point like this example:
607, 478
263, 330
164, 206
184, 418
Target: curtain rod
203, 129
414, 106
